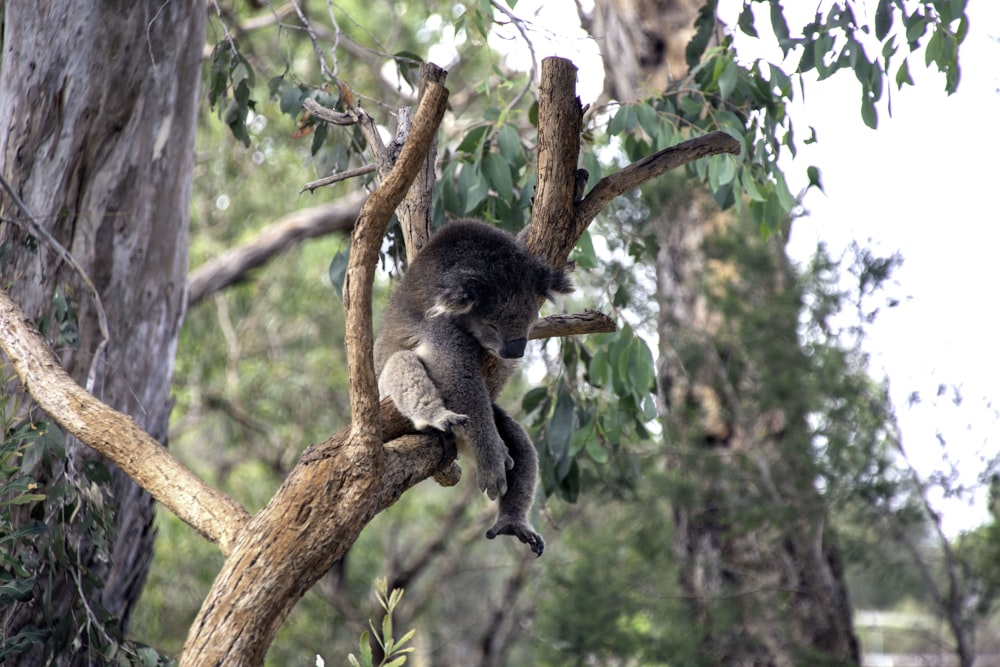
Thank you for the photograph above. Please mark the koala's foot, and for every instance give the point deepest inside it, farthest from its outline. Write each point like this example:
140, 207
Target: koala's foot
492, 475
450, 476
519, 529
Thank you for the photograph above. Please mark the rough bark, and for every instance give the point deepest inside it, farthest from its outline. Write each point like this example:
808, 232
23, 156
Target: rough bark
97, 120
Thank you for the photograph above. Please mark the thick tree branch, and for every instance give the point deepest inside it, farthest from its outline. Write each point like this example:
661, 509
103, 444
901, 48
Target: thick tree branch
647, 169
560, 122
115, 435
365, 244
233, 265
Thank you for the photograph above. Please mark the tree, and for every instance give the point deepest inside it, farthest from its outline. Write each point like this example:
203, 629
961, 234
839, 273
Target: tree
352, 464
98, 120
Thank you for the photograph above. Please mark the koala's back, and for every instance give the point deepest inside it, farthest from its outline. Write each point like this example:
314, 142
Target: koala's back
459, 253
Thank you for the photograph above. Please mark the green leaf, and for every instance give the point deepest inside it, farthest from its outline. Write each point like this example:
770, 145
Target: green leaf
649, 121
780, 26
473, 139
596, 452
868, 112
291, 101
726, 169
405, 638
599, 370
883, 19
396, 662
781, 81
623, 121
584, 254
18, 589
533, 398
728, 79
745, 21
814, 178
704, 27
365, 647
560, 429
509, 143
338, 269
497, 170
641, 368
319, 136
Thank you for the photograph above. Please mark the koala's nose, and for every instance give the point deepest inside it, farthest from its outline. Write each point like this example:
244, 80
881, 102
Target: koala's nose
514, 349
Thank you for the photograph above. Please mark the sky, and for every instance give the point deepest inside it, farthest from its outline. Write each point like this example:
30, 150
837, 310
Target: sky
922, 184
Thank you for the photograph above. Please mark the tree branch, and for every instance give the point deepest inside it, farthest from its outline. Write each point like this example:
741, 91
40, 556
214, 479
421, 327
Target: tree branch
647, 169
337, 178
232, 265
365, 244
115, 435
577, 324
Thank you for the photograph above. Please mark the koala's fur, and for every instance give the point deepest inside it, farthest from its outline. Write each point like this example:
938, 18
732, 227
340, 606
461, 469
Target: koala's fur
472, 291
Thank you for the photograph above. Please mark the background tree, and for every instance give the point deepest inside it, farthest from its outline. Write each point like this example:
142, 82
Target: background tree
97, 118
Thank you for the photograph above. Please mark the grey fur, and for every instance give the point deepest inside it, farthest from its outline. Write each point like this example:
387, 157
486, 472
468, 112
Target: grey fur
472, 291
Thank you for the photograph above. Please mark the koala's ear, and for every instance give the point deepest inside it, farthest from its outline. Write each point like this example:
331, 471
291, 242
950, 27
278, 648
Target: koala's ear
552, 280
458, 294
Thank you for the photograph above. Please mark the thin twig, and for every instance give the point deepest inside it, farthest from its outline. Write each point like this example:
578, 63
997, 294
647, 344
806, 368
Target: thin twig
336, 178
349, 117
102, 318
315, 42
533, 74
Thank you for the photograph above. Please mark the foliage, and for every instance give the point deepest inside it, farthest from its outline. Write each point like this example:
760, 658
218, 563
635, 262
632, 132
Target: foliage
393, 650
32, 551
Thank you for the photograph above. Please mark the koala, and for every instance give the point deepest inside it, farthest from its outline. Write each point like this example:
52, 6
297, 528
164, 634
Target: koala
472, 292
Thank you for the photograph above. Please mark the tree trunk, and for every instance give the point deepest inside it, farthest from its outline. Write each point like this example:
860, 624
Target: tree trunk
757, 565
97, 120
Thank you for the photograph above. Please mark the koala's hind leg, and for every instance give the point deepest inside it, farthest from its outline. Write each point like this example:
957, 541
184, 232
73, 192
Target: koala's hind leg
404, 379
516, 503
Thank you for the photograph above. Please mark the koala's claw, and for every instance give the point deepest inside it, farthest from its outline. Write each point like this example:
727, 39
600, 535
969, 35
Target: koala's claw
492, 480
446, 420
521, 531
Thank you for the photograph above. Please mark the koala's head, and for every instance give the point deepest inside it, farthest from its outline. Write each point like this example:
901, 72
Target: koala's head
493, 286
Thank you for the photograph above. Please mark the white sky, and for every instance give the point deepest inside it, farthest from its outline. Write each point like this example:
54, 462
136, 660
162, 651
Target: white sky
923, 185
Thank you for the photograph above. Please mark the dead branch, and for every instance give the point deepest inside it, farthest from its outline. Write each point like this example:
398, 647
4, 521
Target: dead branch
349, 117
415, 210
576, 324
338, 177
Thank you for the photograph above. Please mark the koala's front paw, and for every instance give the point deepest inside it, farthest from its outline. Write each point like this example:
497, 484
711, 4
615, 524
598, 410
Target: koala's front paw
442, 420
521, 530
492, 475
